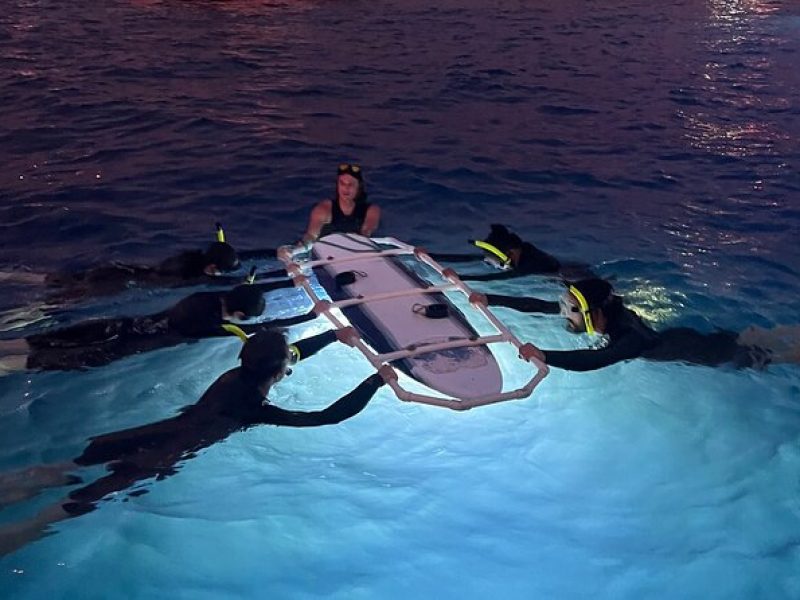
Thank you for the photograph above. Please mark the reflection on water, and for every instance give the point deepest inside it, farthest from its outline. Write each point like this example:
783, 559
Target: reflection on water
739, 76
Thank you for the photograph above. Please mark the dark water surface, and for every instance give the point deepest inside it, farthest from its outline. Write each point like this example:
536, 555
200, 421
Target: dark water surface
658, 141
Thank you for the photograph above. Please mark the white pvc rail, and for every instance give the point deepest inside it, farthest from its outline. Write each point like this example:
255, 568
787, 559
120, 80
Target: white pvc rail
295, 269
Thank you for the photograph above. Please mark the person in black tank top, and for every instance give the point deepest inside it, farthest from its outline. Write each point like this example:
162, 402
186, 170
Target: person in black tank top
348, 212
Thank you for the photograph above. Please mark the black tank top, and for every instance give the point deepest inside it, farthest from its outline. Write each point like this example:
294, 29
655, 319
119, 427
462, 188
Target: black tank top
342, 223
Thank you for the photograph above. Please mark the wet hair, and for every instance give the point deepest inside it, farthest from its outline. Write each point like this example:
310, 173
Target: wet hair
263, 355
222, 255
361, 196
247, 299
503, 239
598, 292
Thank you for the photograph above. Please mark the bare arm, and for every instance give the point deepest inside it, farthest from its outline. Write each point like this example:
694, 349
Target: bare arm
371, 220
321, 215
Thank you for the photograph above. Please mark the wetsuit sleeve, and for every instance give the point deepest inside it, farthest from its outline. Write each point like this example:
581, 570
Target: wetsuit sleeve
310, 346
441, 256
274, 285
344, 408
523, 304
223, 280
250, 328
627, 347
233, 280
289, 321
499, 275
259, 253
271, 274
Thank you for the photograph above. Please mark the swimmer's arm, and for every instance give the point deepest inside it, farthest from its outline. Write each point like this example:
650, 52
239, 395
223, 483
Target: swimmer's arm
629, 346
310, 346
271, 274
371, 220
259, 253
496, 276
344, 408
321, 215
216, 280
269, 286
251, 328
233, 280
444, 257
524, 304
289, 321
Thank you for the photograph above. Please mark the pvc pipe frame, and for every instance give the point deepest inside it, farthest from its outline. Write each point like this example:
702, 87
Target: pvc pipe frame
287, 256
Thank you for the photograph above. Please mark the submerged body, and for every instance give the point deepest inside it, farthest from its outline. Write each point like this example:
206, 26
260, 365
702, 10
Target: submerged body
102, 341
233, 403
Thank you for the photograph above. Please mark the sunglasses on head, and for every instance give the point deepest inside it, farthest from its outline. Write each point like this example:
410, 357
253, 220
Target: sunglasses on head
349, 168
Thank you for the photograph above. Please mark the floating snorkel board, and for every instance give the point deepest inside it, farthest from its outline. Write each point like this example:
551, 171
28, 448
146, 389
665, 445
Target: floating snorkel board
406, 320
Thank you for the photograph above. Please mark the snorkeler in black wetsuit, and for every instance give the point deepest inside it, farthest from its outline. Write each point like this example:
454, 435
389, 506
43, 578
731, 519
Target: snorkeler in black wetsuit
591, 306
101, 341
236, 401
506, 251
189, 268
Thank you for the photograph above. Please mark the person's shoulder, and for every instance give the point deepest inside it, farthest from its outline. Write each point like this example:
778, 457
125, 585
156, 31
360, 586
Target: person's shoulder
534, 259
179, 263
227, 389
228, 380
628, 322
197, 315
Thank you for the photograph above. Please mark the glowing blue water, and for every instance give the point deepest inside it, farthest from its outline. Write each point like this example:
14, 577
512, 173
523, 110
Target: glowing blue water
658, 141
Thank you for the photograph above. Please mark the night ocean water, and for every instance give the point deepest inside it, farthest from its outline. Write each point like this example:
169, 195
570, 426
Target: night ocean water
657, 141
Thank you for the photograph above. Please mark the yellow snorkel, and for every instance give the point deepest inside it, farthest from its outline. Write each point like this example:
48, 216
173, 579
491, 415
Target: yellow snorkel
234, 330
584, 306
251, 277
220, 233
504, 259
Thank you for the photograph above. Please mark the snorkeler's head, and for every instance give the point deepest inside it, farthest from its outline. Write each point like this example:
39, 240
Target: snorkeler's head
597, 292
583, 299
501, 247
222, 257
350, 183
245, 299
265, 356
504, 239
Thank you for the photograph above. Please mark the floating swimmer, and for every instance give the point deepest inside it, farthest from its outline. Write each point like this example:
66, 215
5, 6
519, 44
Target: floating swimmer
101, 341
590, 306
236, 401
189, 268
